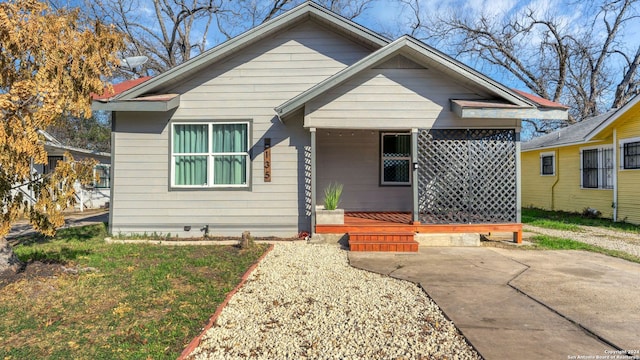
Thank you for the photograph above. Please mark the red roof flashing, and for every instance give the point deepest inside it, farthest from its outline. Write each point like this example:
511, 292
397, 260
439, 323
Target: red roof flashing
119, 88
541, 101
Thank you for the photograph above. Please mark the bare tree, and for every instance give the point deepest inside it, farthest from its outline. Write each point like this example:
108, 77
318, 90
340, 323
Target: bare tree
171, 32
579, 60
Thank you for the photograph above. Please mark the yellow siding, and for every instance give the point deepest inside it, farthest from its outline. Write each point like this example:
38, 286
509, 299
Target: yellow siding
536, 189
562, 191
565, 194
629, 180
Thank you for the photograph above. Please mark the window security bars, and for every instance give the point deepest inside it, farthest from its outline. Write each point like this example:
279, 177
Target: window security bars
396, 159
467, 176
597, 168
631, 154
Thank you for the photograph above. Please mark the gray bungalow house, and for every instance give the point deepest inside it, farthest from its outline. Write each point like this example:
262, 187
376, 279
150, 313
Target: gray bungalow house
248, 134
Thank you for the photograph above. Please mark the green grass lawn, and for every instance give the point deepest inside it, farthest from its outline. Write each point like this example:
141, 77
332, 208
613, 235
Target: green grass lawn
555, 243
128, 301
561, 220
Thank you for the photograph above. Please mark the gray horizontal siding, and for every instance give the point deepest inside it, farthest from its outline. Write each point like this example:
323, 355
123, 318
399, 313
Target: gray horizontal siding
351, 158
246, 86
394, 99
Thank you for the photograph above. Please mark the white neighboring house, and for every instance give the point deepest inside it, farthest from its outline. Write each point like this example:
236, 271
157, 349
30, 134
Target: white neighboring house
87, 197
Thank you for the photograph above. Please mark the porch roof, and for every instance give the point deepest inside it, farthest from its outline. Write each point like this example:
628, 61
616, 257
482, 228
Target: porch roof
496, 109
160, 102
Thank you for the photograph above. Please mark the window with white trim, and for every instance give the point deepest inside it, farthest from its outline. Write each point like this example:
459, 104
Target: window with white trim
548, 163
630, 154
395, 159
214, 154
101, 175
596, 169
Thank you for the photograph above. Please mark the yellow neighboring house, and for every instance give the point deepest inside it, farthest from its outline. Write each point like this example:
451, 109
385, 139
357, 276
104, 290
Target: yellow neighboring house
592, 164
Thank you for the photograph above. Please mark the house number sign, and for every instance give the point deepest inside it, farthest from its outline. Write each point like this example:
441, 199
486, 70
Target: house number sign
267, 160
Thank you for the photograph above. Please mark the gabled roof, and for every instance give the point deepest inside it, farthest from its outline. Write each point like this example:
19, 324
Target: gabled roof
425, 55
290, 18
51, 141
611, 120
587, 130
570, 135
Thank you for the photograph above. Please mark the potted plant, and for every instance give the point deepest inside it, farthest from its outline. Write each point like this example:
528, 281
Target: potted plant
329, 213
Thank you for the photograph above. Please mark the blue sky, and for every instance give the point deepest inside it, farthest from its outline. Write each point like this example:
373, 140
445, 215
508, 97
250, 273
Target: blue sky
389, 15
394, 17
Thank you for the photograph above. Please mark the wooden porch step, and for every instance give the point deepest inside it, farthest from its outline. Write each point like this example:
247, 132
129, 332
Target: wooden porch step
383, 241
397, 237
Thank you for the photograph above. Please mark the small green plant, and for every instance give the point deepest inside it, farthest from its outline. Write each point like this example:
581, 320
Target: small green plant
332, 195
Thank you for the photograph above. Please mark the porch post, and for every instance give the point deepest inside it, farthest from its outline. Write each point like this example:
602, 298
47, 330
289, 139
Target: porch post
414, 174
518, 180
313, 180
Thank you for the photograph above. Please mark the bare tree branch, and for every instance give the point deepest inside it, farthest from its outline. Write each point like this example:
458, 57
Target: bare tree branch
557, 57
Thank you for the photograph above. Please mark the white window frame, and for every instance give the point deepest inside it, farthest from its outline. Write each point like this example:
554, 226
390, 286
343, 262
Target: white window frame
211, 155
383, 158
95, 170
601, 168
622, 143
552, 154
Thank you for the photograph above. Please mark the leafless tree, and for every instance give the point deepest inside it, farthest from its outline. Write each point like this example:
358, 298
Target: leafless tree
171, 32
580, 60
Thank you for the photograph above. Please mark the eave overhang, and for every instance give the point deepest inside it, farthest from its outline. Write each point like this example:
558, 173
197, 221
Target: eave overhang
159, 103
556, 146
487, 109
51, 145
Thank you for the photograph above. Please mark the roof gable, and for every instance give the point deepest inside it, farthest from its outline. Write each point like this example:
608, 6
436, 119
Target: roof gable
306, 11
587, 130
570, 135
618, 116
419, 53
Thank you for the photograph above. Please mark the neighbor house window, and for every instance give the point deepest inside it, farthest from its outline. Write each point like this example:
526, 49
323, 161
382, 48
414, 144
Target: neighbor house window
597, 168
630, 153
547, 163
210, 154
396, 159
52, 163
101, 176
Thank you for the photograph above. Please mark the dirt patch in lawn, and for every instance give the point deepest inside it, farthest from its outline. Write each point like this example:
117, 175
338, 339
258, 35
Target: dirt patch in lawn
32, 270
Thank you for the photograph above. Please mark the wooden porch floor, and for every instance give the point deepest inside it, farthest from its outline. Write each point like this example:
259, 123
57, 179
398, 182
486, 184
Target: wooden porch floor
393, 222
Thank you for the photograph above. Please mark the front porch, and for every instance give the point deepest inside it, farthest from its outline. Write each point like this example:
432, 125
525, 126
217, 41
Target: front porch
378, 230
451, 181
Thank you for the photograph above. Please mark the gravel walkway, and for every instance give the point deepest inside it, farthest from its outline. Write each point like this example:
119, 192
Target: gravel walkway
606, 238
305, 301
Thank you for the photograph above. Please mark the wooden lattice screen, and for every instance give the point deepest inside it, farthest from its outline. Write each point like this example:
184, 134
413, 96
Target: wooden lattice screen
467, 176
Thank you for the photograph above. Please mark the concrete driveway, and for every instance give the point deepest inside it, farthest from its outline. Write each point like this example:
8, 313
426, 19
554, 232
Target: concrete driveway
527, 304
